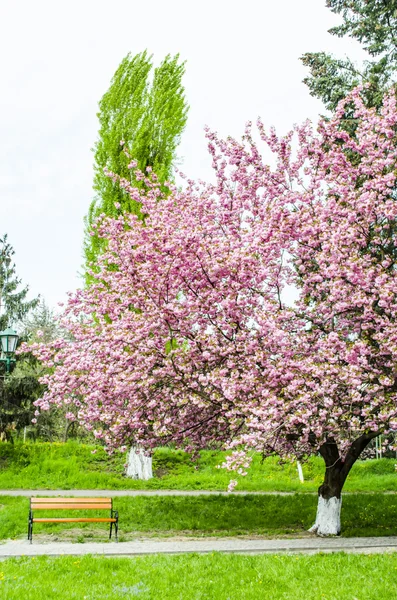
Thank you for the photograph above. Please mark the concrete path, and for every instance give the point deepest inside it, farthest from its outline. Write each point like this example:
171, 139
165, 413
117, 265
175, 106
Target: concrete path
231, 545
115, 493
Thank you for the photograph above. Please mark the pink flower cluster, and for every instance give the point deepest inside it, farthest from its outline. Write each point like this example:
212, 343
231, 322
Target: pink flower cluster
186, 335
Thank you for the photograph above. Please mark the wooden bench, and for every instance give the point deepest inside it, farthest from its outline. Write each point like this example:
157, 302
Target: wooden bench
72, 504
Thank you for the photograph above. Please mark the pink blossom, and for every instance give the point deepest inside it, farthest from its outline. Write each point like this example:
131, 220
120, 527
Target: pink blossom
186, 335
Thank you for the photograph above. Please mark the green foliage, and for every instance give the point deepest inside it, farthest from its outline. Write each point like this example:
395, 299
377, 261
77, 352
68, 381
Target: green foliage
149, 117
18, 389
41, 325
373, 23
22, 387
18, 392
216, 515
194, 577
73, 466
13, 303
59, 465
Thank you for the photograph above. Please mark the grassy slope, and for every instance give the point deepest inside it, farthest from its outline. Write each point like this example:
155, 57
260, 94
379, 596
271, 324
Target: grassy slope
362, 515
72, 465
190, 577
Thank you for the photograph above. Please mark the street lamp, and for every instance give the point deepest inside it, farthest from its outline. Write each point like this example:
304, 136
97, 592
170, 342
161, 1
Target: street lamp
9, 340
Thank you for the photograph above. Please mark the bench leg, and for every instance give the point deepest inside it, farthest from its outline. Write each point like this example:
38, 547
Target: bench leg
116, 525
110, 533
30, 527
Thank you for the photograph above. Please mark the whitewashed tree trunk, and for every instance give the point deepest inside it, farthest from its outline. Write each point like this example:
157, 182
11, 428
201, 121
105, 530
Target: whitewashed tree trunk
329, 505
328, 516
139, 465
300, 472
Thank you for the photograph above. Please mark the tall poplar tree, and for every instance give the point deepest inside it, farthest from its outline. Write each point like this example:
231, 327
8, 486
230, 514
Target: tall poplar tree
149, 116
373, 23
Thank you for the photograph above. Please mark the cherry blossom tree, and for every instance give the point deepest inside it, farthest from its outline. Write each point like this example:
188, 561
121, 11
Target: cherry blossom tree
187, 335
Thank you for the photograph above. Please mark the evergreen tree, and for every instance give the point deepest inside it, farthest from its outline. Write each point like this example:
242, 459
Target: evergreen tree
17, 391
22, 387
40, 325
13, 303
374, 24
149, 118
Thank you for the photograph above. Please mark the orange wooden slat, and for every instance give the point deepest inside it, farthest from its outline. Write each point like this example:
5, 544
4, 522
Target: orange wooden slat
71, 520
70, 500
70, 506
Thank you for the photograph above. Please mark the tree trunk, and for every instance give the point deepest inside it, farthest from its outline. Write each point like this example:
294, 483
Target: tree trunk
328, 521
68, 427
139, 465
329, 503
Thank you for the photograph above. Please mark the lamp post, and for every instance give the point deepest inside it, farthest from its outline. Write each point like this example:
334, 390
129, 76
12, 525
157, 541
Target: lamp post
9, 340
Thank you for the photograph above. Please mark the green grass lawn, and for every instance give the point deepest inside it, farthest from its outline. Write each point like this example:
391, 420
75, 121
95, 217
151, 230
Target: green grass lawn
202, 577
362, 515
72, 465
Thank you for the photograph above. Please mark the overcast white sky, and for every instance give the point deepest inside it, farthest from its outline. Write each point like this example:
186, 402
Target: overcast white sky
57, 61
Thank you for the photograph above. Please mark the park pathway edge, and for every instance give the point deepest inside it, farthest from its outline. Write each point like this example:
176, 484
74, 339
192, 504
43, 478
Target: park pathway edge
18, 548
117, 493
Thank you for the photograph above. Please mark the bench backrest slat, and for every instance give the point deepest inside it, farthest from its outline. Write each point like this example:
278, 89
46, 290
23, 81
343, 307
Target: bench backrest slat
71, 500
69, 506
72, 503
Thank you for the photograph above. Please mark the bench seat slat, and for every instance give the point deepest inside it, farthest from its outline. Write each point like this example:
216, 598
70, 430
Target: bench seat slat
71, 520
51, 506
